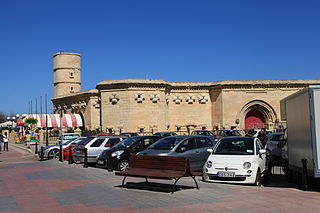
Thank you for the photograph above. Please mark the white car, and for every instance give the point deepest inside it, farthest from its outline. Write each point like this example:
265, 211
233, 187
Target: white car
236, 160
94, 147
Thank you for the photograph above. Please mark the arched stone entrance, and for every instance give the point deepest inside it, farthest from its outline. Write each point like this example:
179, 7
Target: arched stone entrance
257, 114
254, 120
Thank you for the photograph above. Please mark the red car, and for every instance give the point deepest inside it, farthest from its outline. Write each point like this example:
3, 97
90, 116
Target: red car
66, 151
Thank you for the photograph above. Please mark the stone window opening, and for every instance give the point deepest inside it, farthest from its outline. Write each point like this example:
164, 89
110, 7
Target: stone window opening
71, 75
141, 130
71, 90
139, 98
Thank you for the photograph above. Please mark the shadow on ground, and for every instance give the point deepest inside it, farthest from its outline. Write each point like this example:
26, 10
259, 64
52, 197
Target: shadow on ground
155, 187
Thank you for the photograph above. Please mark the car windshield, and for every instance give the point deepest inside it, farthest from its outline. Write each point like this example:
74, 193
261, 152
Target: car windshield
69, 137
126, 143
84, 141
166, 143
229, 133
231, 146
201, 133
69, 141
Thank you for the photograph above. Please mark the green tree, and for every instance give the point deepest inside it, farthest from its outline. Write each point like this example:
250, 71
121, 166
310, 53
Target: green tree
3, 117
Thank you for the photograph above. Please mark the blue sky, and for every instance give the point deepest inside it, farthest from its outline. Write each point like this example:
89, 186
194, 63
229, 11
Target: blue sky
174, 40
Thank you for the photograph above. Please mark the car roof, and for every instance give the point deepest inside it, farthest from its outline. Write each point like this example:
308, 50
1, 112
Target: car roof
188, 136
109, 136
238, 137
145, 136
164, 132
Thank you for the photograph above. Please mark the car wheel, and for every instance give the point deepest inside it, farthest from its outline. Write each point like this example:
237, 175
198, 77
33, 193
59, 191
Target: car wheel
123, 165
258, 181
53, 154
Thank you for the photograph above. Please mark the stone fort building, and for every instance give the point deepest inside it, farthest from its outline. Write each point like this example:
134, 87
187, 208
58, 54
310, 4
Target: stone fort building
148, 105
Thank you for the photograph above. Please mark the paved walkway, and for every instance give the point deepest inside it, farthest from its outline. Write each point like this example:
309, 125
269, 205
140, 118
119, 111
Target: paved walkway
28, 185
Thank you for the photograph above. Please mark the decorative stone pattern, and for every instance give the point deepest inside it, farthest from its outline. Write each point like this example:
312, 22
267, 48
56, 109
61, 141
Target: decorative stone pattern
79, 105
139, 98
202, 99
155, 98
177, 99
190, 99
114, 98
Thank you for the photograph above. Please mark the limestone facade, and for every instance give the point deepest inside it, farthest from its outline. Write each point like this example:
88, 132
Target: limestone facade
146, 105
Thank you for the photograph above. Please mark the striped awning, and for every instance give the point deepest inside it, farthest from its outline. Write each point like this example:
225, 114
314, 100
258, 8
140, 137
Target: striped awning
67, 120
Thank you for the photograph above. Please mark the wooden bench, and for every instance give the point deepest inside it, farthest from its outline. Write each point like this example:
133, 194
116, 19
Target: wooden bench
159, 167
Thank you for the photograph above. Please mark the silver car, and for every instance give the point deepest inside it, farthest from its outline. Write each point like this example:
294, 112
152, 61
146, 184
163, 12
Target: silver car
52, 151
193, 147
94, 147
273, 140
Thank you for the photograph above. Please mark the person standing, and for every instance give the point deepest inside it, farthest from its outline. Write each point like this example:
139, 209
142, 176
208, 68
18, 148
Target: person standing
263, 136
5, 142
1, 140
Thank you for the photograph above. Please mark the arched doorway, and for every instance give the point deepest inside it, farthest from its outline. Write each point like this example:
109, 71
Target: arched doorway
254, 119
257, 114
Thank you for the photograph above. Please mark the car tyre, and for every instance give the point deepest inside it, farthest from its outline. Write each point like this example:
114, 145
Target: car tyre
53, 154
123, 165
258, 181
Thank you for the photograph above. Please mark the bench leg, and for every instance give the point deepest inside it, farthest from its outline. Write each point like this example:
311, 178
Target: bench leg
147, 180
194, 179
174, 185
123, 181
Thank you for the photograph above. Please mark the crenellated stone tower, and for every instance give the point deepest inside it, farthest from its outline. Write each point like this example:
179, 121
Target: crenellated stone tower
66, 69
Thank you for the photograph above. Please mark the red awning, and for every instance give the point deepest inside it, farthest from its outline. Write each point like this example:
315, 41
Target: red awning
67, 120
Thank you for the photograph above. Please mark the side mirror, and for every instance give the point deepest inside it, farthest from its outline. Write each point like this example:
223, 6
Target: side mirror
262, 151
210, 151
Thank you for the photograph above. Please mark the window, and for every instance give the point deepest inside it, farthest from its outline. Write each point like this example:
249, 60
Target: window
97, 143
71, 90
71, 75
188, 144
204, 142
231, 146
112, 141
147, 142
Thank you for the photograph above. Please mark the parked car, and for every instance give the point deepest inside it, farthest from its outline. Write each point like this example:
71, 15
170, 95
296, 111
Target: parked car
52, 151
129, 134
165, 134
193, 147
72, 145
95, 147
236, 160
117, 158
227, 133
273, 140
67, 136
202, 132
206, 133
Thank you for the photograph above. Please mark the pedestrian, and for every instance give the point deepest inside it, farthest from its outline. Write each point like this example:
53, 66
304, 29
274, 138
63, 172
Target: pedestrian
1, 140
5, 142
263, 136
250, 133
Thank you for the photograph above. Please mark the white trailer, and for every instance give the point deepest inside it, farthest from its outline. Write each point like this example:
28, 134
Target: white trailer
301, 110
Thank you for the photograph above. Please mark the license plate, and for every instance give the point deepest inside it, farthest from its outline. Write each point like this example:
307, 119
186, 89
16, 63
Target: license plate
227, 174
